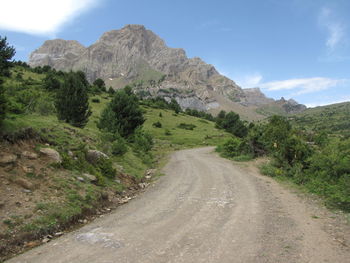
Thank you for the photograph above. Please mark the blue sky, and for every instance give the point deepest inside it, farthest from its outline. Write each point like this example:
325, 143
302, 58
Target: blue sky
290, 48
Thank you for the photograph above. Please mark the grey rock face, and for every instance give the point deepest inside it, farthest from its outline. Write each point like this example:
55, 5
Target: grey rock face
255, 97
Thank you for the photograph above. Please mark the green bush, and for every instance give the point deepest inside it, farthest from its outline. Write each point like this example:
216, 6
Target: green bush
106, 168
157, 124
231, 123
235, 147
45, 105
119, 146
142, 141
167, 132
270, 170
231, 147
186, 126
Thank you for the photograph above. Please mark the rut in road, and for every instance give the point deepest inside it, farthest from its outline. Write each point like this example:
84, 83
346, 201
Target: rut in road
205, 209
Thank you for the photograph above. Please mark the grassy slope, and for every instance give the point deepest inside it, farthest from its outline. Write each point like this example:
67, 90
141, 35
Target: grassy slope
204, 134
332, 119
269, 110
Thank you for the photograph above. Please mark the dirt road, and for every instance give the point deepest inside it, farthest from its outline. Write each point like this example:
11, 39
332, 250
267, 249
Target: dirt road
204, 210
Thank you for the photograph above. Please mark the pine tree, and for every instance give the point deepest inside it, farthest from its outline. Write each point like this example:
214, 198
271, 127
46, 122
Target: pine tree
123, 114
2, 103
100, 84
6, 54
50, 82
72, 101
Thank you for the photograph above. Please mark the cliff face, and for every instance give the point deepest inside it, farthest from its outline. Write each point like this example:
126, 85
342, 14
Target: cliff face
135, 55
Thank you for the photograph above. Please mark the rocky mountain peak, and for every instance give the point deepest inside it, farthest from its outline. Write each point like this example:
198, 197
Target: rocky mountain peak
57, 53
134, 54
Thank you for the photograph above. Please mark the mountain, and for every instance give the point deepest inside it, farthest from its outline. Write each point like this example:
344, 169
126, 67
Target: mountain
134, 55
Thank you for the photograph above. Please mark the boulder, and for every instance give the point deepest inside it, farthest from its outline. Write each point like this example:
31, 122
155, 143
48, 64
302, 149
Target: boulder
81, 179
24, 183
29, 155
52, 154
90, 177
93, 156
7, 159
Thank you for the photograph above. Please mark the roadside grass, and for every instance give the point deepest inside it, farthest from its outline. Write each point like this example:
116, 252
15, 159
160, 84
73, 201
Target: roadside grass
308, 190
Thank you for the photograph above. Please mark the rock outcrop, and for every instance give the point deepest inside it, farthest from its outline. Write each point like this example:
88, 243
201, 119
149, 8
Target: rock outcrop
254, 97
52, 154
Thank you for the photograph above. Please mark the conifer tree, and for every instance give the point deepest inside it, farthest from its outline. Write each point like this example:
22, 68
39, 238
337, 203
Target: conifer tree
123, 114
6, 54
72, 101
51, 82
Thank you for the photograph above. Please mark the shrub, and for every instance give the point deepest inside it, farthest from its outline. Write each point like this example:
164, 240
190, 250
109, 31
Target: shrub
111, 91
100, 84
231, 123
174, 105
231, 148
50, 82
186, 126
157, 124
119, 146
142, 140
270, 170
106, 167
167, 132
45, 105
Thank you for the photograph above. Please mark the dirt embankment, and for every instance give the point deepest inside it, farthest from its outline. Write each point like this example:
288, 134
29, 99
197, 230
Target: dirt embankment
39, 200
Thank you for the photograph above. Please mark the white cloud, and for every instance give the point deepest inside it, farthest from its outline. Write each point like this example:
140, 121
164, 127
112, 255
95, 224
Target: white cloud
303, 86
40, 17
250, 81
336, 29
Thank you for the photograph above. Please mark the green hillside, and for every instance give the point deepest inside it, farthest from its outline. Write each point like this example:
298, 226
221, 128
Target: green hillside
334, 119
